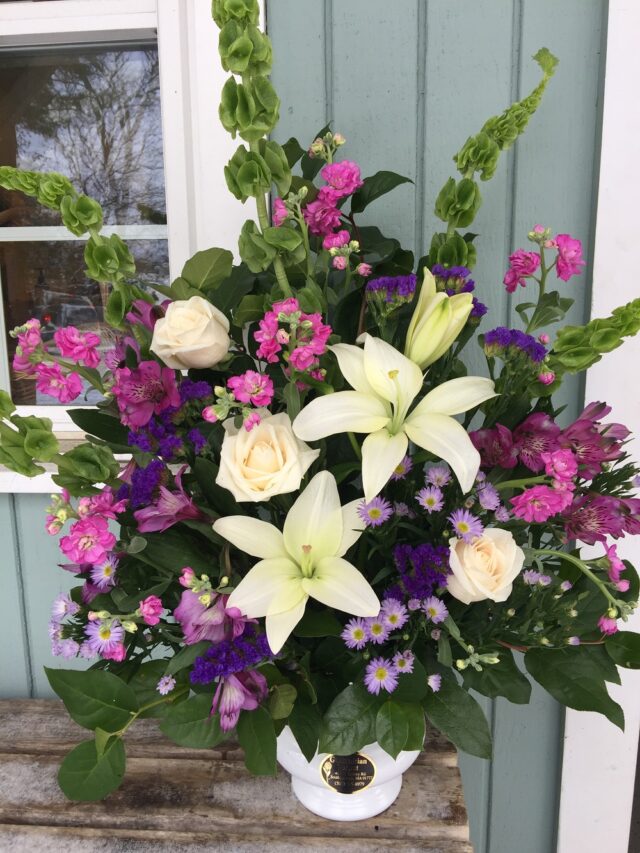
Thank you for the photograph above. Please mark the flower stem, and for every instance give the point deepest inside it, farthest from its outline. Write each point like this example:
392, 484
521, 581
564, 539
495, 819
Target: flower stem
355, 445
518, 484
586, 571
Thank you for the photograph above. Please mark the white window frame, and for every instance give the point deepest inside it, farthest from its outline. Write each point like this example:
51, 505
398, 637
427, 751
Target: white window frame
599, 761
200, 210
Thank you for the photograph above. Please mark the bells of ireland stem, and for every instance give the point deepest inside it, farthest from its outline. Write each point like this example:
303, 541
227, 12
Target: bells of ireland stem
437, 321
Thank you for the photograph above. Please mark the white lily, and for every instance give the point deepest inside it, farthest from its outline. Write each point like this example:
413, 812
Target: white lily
305, 560
436, 322
385, 385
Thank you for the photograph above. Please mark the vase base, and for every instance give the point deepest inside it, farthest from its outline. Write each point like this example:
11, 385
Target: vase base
334, 806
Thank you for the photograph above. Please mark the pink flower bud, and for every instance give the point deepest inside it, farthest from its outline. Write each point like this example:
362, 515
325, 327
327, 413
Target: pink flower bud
339, 262
208, 414
186, 576
364, 270
623, 586
544, 338
251, 421
547, 377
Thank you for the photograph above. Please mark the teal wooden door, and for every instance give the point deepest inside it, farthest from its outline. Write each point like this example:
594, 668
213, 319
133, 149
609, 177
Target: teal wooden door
407, 82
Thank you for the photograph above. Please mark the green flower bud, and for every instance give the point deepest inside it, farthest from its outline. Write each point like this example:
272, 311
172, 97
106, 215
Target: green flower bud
252, 110
79, 213
53, 188
243, 11
108, 259
257, 254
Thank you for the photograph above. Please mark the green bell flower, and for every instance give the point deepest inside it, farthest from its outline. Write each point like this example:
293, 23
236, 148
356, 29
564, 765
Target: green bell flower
458, 203
254, 250
108, 258
479, 154
250, 109
244, 49
53, 188
243, 11
80, 213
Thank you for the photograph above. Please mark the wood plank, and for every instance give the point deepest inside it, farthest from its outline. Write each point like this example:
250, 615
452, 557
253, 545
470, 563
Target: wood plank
15, 669
206, 799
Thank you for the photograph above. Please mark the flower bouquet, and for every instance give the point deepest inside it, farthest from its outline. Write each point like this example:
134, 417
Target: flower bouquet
296, 518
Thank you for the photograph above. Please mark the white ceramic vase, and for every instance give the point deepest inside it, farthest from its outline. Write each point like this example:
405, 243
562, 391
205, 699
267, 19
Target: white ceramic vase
344, 787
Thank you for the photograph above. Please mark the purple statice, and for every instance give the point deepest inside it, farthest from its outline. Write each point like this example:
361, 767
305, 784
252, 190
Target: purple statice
502, 341
103, 574
421, 569
403, 661
377, 630
104, 637
435, 610
197, 439
431, 499
231, 656
376, 512
478, 309
402, 468
466, 525
66, 649
394, 614
165, 685
381, 674
434, 682
140, 440
392, 289
488, 496
63, 606
437, 475
169, 446
190, 390
144, 482
454, 279
355, 634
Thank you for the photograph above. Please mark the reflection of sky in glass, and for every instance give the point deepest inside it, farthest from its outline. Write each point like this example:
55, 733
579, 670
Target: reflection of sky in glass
93, 115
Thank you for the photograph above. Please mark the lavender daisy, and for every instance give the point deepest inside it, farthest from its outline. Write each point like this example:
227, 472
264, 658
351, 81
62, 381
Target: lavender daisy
403, 661
435, 610
165, 685
355, 634
431, 499
104, 574
394, 615
380, 675
376, 512
63, 606
466, 525
104, 636
377, 631
402, 469
435, 682
488, 497
438, 475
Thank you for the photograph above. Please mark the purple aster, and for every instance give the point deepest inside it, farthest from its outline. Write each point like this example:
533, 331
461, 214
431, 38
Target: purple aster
565, 586
394, 614
402, 469
414, 604
488, 496
85, 651
377, 631
104, 574
502, 514
381, 675
435, 610
438, 475
376, 512
66, 649
435, 682
104, 637
466, 525
63, 606
166, 684
402, 510
355, 634
403, 661
431, 499
530, 577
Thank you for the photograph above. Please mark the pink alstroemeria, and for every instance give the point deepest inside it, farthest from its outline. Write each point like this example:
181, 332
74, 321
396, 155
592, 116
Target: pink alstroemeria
214, 622
144, 313
240, 692
144, 391
79, 347
169, 509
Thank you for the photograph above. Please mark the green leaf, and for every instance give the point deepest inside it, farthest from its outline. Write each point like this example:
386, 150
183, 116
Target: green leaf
293, 151
624, 648
350, 721
250, 309
305, 721
283, 237
191, 724
144, 683
102, 739
227, 296
458, 716
292, 399
414, 714
392, 728
318, 623
281, 700
207, 269
257, 737
86, 775
94, 699
412, 686
186, 656
375, 186
500, 679
575, 678
171, 551
6, 404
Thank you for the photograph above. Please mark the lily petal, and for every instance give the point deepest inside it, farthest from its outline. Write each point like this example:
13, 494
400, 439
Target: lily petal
351, 364
455, 396
447, 439
280, 625
392, 376
352, 526
313, 527
381, 453
344, 411
338, 584
261, 585
255, 537
422, 306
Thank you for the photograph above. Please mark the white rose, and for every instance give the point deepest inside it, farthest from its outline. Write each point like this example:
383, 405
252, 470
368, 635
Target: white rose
264, 461
484, 568
193, 333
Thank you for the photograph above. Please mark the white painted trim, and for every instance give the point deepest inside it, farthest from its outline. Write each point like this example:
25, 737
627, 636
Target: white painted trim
58, 233
599, 763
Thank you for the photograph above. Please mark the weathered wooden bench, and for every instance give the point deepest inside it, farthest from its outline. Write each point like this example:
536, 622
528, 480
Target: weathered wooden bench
174, 798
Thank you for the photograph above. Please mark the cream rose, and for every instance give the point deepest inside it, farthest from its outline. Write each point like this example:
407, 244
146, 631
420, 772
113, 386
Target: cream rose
484, 568
264, 461
193, 333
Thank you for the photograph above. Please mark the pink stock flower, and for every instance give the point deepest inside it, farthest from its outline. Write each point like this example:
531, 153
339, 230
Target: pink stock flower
144, 391
80, 347
89, 541
103, 504
29, 338
339, 262
337, 240
302, 358
186, 577
560, 465
252, 387
343, 177
495, 446
287, 306
53, 382
322, 215
214, 622
570, 260
279, 212
240, 692
537, 504
608, 625
521, 265
252, 420
536, 435
151, 609
169, 509
266, 337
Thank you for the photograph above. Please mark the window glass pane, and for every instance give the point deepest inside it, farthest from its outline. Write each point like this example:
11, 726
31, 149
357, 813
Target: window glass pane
91, 113
46, 280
